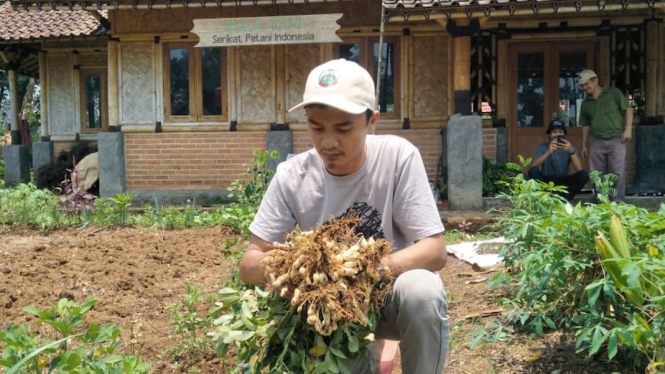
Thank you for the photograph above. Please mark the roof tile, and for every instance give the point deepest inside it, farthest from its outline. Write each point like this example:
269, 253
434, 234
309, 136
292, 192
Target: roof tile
45, 24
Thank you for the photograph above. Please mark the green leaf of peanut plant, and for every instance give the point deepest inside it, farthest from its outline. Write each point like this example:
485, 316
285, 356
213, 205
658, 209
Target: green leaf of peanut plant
15, 369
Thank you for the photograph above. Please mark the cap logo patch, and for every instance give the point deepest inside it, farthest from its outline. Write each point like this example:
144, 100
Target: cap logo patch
328, 78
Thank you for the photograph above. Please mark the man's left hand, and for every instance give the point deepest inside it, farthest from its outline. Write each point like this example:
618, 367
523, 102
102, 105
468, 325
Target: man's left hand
626, 136
566, 146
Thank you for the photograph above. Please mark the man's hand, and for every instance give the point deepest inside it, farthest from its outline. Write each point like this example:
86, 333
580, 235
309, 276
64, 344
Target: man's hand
553, 146
627, 135
566, 146
584, 152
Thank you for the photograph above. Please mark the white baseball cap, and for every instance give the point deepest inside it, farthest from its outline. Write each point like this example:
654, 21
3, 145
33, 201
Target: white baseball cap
585, 76
340, 84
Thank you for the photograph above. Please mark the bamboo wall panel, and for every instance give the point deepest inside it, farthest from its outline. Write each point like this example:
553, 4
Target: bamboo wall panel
256, 96
302, 58
62, 118
357, 13
430, 91
137, 83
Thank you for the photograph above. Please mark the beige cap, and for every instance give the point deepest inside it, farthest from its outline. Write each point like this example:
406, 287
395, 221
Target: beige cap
340, 84
585, 76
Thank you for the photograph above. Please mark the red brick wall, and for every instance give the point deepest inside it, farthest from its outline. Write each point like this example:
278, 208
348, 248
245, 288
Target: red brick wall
213, 160
427, 141
489, 144
171, 161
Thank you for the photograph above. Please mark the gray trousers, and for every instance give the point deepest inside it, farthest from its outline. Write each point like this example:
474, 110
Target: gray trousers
416, 314
609, 156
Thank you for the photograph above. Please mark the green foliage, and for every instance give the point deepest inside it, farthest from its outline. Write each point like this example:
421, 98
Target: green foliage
251, 186
79, 348
189, 325
495, 331
27, 205
113, 211
496, 177
639, 276
604, 185
268, 336
555, 278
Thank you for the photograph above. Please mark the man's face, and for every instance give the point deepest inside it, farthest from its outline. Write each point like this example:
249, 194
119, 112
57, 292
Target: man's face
556, 132
339, 137
590, 85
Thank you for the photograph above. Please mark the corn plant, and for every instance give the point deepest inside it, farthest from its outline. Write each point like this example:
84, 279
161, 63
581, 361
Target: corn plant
78, 348
639, 277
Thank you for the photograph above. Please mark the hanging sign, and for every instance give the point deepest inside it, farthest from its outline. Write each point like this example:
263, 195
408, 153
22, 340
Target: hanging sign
225, 32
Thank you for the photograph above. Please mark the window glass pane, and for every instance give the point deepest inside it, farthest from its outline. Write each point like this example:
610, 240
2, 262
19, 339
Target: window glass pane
179, 80
211, 74
93, 102
530, 89
570, 94
350, 52
387, 94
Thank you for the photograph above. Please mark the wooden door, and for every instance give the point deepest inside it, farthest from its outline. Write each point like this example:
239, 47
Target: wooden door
543, 87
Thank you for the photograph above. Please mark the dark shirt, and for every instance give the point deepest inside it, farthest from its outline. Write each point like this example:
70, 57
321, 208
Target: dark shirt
556, 165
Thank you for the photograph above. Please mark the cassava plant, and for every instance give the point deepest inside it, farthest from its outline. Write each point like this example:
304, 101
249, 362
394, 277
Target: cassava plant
319, 311
555, 278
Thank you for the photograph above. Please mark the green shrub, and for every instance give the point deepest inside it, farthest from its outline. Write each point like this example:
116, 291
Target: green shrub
556, 280
78, 348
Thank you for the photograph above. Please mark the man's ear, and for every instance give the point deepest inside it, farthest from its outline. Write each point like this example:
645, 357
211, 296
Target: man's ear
371, 125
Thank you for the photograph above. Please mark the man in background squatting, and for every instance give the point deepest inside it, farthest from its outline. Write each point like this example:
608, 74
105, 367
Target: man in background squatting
383, 179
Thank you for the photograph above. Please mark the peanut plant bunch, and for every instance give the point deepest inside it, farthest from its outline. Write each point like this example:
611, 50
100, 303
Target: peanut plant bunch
331, 272
319, 312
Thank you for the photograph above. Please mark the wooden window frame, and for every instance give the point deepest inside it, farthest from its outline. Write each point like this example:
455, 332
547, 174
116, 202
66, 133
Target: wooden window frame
195, 85
366, 60
103, 76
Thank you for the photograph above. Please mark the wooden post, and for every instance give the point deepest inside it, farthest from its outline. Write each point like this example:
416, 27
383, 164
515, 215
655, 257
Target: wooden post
43, 95
113, 85
13, 104
280, 84
660, 85
651, 89
461, 33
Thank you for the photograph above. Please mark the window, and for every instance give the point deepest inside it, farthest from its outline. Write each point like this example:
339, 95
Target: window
365, 51
194, 84
93, 101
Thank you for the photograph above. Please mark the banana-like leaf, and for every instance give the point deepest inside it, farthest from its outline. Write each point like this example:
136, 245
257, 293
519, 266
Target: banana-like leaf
615, 255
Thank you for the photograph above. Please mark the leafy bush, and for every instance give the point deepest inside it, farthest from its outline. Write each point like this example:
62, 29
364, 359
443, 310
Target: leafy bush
555, 278
78, 348
25, 204
496, 177
50, 176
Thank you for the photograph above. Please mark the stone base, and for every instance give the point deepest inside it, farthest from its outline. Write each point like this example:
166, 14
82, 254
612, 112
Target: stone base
42, 154
17, 164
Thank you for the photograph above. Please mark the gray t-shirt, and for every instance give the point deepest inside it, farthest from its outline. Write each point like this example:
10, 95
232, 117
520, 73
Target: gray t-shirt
390, 191
557, 164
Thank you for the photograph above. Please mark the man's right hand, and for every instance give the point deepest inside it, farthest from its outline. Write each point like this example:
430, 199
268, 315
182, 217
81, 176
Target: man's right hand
584, 151
553, 146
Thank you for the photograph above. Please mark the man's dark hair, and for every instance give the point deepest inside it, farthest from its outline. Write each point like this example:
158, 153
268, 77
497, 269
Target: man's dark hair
368, 113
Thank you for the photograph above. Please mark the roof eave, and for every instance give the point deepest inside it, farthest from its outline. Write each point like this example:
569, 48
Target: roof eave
150, 4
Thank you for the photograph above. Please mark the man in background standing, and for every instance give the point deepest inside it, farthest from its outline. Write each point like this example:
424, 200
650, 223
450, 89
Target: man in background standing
607, 117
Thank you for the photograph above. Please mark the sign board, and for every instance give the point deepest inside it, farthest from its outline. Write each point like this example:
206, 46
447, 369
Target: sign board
226, 32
